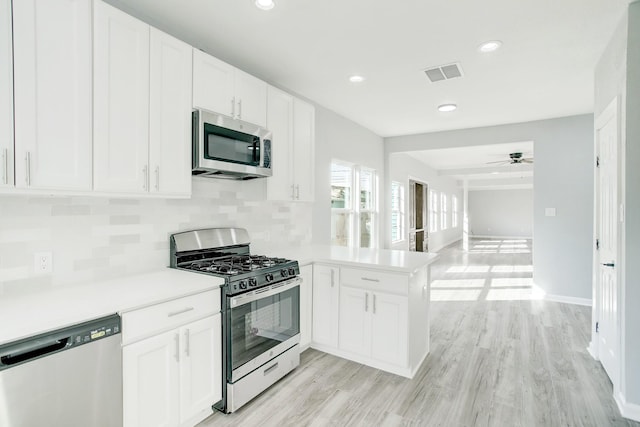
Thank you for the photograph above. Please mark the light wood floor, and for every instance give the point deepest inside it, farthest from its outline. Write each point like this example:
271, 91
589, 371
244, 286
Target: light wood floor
499, 357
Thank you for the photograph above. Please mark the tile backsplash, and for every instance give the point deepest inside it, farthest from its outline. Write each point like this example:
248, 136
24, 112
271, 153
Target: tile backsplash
95, 238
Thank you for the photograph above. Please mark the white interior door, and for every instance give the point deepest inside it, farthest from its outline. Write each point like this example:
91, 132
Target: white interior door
607, 228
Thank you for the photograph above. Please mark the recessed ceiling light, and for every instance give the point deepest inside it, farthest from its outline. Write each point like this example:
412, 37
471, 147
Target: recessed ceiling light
265, 4
495, 173
446, 108
490, 46
356, 79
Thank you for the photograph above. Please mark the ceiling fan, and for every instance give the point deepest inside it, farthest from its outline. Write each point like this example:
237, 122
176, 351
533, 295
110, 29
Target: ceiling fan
514, 158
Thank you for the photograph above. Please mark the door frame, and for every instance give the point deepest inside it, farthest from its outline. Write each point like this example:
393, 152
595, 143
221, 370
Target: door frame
425, 212
610, 112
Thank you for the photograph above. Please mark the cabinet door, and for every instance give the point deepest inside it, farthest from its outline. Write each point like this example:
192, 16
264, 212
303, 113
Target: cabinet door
325, 305
200, 369
389, 328
355, 320
6, 96
121, 101
52, 63
213, 84
303, 149
170, 114
251, 98
306, 305
280, 123
150, 381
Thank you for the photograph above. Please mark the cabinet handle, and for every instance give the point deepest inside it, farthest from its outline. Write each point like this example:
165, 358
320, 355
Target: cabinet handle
293, 191
175, 313
145, 175
5, 163
332, 277
297, 192
366, 301
177, 339
157, 178
233, 107
366, 279
270, 369
374, 303
240, 109
28, 174
187, 343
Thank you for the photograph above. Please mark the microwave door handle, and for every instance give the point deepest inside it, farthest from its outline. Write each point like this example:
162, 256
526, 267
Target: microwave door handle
256, 150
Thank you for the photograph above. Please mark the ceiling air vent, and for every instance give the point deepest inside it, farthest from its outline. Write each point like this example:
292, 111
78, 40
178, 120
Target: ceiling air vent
444, 72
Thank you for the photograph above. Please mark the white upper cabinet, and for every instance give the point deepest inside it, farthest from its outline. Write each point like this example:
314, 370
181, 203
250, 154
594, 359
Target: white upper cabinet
170, 115
6, 96
280, 123
292, 123
304, 119
52, 78
121, 103
224, 89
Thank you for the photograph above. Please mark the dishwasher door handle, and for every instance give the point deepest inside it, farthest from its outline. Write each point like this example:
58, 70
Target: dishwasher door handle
27, 352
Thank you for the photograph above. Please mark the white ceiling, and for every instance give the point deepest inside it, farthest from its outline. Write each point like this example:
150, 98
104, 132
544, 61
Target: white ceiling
472, 164
544, 68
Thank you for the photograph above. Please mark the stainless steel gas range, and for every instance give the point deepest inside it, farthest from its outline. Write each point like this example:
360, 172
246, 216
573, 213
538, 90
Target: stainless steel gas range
260, 309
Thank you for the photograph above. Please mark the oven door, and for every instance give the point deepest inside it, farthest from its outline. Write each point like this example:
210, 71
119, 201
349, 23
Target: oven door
263, 324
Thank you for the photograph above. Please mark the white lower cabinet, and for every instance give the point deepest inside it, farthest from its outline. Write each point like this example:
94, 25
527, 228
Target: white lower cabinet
172, 379
326, 299
172, 361
306, 306
374, 324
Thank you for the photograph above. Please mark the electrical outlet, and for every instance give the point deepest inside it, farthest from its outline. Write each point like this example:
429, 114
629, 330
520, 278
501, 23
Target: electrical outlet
43, 262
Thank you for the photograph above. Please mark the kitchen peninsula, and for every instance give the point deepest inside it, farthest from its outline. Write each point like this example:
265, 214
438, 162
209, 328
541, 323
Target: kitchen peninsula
366, 305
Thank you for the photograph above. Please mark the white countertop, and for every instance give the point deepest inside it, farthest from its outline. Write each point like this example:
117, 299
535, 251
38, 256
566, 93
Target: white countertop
380, 259
32, 313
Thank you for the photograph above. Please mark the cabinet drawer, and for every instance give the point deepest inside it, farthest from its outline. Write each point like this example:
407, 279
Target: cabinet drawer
395, 283
168, 315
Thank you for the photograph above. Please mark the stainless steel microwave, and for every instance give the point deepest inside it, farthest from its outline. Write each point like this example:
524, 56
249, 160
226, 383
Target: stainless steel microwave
228, 148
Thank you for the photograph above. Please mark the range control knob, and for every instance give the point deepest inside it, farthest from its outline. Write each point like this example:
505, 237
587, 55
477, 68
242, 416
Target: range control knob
243, 284
253, 282
269, 277
292, 271
284, 272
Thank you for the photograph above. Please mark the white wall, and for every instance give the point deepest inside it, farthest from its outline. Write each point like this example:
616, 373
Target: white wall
94, 238
501, 213
402, 168
341, 139
563, 179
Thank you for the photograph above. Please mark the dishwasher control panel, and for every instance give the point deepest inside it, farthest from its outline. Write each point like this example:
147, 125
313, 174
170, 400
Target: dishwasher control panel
37, 346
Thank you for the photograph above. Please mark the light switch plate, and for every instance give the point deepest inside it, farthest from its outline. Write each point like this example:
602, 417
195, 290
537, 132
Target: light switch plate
550, 212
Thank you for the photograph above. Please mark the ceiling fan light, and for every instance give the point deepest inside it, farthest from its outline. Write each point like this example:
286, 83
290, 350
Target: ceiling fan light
447, 108
265, 4
356, 79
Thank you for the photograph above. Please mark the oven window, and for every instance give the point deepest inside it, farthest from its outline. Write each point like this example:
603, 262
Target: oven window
261, 325
231, 146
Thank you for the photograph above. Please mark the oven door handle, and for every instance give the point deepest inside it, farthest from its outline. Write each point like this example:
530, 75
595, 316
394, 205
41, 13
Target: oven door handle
275, 289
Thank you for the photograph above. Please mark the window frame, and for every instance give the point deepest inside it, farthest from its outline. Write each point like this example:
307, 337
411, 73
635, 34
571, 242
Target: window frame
444, 212
399, 211
454, 211
354, 210
433, 211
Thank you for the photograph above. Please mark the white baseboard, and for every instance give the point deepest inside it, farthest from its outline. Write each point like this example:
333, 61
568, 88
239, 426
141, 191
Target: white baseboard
568, 300
591, 349
627, 410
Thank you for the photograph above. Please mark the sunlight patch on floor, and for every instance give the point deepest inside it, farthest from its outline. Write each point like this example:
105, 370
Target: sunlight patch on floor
468, 269
509, 282
512, 269
455, 294
458, 283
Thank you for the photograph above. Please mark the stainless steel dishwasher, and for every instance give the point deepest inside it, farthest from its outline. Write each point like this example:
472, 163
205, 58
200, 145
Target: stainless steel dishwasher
70, 377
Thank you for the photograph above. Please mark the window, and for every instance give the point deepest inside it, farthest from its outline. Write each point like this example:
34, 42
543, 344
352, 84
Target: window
454, 211
433, 211
353, 218
397, 212
444, 212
